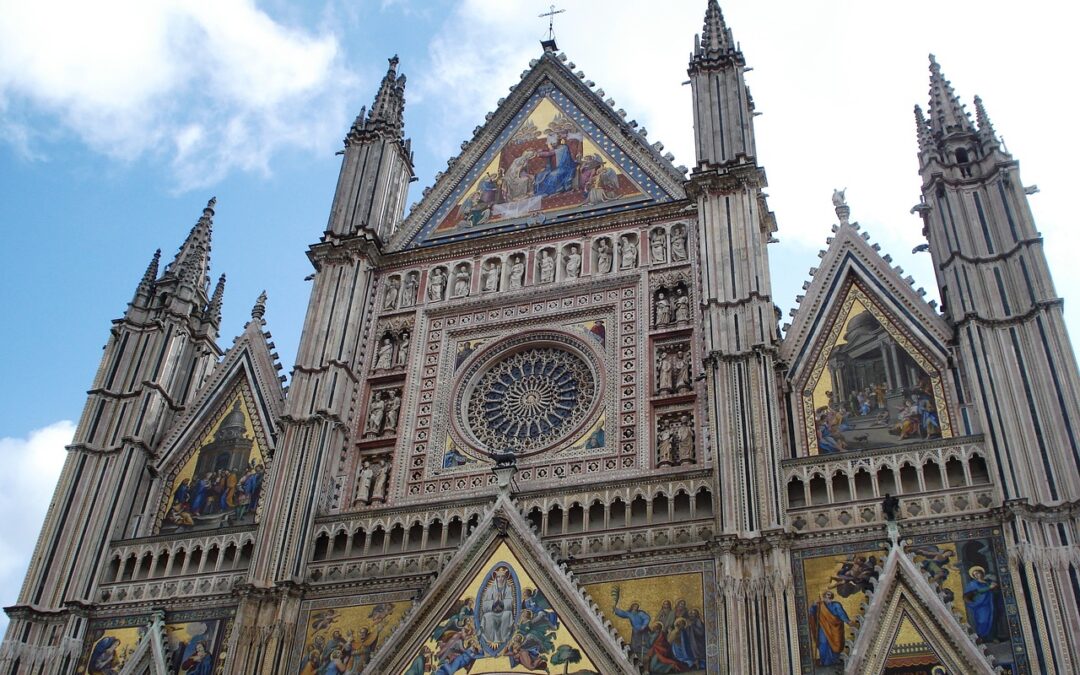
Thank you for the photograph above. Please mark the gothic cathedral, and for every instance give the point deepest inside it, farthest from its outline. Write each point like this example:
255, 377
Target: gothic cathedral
548, 422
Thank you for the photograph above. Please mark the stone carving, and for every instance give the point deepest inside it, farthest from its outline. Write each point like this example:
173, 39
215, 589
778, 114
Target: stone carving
673, 369
529, 399
409, 288
517, 271
572, 262
402, 349
382, 476
392, 346
382, 413
682, 306
657, 246
678, 244
663, 308
364, 482
603, 255
628, 252
371, 481
390, 297
547, 267
490, 275
436, 284
671, 305
384, 357
462, 279
675, 439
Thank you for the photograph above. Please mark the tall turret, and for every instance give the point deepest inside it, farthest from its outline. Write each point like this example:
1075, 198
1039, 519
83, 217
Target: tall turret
1019, 373
157, 355
377, 167
740, 340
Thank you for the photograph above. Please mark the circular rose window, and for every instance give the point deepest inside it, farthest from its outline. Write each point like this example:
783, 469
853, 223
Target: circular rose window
528, 394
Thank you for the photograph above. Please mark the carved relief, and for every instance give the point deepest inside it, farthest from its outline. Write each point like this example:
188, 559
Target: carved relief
679, 251
516, 278
462, 280
436, 289
391, 294
675, 439
671, 301
372, 480
628, 251
572, 261
546, 265
382, 413
603, 255
408, 289
391, 350
491, 276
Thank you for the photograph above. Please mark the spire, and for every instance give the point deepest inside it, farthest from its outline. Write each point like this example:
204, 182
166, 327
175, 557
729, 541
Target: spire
986, 128
192, 263
388, 110
213, 309
922, 132
715, 35
947, 114
146, 286
258, 310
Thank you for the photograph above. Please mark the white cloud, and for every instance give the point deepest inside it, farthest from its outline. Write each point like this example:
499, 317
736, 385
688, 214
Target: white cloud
32, 465
209, 86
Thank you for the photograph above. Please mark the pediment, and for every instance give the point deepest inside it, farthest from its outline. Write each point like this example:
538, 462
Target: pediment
553, 151
907, 625
503, 604
213, 461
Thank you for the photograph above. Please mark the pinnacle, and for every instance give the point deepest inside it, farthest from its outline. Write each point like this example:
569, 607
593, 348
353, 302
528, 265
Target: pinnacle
151, 273
715, 35
947, 114
192, 262
258, 310
986, 127
213, 310
922, 132
387, 112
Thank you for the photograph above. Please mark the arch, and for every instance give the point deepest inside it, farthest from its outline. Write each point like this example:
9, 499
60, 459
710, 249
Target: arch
978, 470
864, 484
397, 538
639, 511
454, 531
683, 509
474, 520
536, 519
359, 538
415, 540
378, 540
195, 561
555, 520
796, 493
886, 480
246, 551
435, 533
596, 515
954, 473
841, 489
703, 502
114, 568
162, 563
575, 518
617, 513
179, 558
339, 544
229, 558
660, 508
909, 478
819, 491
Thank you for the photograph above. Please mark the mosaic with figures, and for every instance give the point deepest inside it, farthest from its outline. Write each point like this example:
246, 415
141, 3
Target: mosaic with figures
220, 483
340, 638
870, 386
970, 567
501, 623
195, 641
549, 162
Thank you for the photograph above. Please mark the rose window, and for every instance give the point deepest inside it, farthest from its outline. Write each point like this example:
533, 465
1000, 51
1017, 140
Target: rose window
524, 400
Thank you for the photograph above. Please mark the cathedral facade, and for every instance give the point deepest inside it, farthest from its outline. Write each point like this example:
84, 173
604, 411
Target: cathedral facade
548, 421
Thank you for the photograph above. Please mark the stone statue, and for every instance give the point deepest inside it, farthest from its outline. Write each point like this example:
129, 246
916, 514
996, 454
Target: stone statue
572, 263
657, 247
684, 439
403, 349
682, 371
665, 445
547, 267
462, 277
363, 489
408, 289
436, 284
384, 357
517, 272
664, 371
491, 276
663, 309
682, 307
382, 475
603, 256
678, 243
838, 198
393, 406
391, 297
628, 252
376, 414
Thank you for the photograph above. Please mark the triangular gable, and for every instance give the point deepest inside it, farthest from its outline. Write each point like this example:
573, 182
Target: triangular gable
859, 315
905, 609
502, 604
553, 151
213, 461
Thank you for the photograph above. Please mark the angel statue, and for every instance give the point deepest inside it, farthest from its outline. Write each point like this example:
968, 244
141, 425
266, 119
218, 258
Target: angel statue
838, 197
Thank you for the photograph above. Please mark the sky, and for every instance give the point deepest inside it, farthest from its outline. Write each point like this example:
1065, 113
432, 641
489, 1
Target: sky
119, 119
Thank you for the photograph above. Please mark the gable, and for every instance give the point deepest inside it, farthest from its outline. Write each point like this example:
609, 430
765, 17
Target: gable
502, 621
553, 151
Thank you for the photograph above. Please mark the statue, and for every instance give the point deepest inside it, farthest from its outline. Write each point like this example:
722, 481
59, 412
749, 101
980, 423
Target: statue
547, 267
684, 439
391, 296
665, 445
436, 284
682, 371
890, 506
517, 272
403, 349
657, 246
678, 244
382, 475
628, 252
572, 263
663, 309
664, 370
384, 357
843, 211
376, 409
491, 276
682, 307
408, 289
363, 490
838, 199
393, 406
462, 277
603, 256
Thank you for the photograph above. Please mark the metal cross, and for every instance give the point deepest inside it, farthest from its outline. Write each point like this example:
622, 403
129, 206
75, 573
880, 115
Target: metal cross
550, 14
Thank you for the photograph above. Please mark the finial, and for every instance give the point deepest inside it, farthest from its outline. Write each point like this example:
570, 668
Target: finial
394, 60
923, 133
986, 127
213, 309
549, 44
843, 211
150, 275
947, 114
715, 35
208, 212
258, 310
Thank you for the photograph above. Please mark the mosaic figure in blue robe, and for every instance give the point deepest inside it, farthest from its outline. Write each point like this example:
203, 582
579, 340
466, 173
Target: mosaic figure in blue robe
979, 598
559, 175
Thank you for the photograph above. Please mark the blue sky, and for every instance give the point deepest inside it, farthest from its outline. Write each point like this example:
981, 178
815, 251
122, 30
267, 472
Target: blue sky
120, 119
